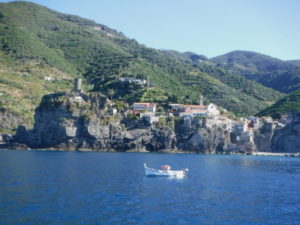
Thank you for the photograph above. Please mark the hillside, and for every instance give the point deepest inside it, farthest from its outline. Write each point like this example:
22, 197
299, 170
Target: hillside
290, 103
283, 76
294, 62
36, 43
227, 77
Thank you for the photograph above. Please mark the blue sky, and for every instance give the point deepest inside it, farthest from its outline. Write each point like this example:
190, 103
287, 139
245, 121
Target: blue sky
208, 27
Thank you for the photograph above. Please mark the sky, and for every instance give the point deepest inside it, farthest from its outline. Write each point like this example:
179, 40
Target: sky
208, 27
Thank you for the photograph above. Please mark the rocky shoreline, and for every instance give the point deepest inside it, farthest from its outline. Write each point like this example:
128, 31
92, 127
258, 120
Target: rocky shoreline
167, 151
75, 121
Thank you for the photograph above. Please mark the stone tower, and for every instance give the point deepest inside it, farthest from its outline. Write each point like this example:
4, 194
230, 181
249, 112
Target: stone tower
77, 84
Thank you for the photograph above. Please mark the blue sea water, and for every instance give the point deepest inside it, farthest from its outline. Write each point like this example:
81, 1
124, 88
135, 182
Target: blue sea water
44, 187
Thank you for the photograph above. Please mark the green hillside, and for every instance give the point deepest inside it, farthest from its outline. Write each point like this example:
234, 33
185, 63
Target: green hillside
37, 42
227, 77
290, 103
283, 76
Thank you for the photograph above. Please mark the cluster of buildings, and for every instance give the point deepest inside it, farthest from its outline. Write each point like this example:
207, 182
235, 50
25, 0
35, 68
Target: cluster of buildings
147, 111
243, 129
190, 111
181, 110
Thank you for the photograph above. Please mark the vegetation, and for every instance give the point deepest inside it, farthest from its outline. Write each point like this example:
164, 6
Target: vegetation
283, 76
290, 103
36, 42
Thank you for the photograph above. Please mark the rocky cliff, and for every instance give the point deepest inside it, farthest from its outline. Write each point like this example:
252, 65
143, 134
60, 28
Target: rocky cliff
9, 120
263, 136
80, 121
195, 135
287, 139
88, 121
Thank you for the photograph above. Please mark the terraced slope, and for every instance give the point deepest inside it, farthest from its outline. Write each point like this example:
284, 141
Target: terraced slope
36, 42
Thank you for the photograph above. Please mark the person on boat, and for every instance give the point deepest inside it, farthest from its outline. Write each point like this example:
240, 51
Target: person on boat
166, 167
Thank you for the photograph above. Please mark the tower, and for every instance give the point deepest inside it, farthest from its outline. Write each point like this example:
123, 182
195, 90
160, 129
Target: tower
77, 84
201, 100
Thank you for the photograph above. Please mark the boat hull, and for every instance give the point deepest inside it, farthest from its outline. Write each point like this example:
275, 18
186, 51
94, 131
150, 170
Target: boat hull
165, 173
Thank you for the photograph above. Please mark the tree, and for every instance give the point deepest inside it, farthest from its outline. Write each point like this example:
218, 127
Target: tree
111, 92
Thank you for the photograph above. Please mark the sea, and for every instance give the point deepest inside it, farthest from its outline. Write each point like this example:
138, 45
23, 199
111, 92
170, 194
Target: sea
57, 187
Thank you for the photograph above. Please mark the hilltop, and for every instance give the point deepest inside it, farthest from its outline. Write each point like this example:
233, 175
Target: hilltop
42, 51
283, 76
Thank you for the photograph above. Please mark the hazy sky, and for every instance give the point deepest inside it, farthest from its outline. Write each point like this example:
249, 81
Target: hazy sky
209, 27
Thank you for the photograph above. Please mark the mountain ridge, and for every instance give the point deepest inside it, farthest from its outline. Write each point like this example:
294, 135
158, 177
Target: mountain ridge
37, 42
283, 76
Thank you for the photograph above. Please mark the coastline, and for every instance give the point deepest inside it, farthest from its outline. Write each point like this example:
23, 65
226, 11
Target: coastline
280, 154
165, 151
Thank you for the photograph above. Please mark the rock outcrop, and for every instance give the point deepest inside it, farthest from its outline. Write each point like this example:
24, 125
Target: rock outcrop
87, 121
79, 121
287, 139
263, 136
5, 140
9, 120
195, 135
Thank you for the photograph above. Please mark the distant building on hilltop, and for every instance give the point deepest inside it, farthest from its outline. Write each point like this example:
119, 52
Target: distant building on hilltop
141, 82
49, 78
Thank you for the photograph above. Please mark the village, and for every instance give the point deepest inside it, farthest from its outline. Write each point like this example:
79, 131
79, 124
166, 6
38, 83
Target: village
242, 133
247, 134
244, 128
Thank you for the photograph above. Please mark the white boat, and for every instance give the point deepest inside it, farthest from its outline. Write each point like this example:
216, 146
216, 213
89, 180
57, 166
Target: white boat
165, 172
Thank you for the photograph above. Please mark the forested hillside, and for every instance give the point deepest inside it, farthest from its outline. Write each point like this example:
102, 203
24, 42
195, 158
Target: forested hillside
37, 43
290, 103
283, 76
227, 77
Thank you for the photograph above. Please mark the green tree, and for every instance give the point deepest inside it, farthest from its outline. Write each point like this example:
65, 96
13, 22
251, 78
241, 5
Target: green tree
111, 93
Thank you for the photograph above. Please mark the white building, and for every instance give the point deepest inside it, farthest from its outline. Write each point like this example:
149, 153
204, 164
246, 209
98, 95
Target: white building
133, 80
208, 111
144, 107
49, 78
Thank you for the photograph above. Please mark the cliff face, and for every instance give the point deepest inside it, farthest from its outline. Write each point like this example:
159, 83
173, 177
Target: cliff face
287, 139
195, 135
87, 121
10, 121
263, 136
78, 121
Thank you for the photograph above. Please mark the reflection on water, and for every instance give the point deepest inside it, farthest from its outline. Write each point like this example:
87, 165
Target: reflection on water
111, 188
